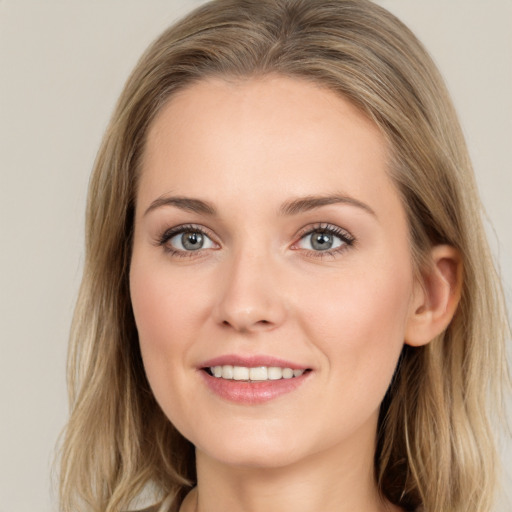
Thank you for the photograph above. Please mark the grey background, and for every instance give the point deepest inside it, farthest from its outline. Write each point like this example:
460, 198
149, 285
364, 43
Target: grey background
62, 66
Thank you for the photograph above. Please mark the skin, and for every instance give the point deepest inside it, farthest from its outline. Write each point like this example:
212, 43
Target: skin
258, 287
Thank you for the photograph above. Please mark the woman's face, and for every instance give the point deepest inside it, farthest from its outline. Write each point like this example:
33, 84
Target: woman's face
269, 238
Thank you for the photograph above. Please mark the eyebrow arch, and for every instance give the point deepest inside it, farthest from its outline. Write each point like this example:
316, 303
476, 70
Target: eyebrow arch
184, 203
293, 207
304, 204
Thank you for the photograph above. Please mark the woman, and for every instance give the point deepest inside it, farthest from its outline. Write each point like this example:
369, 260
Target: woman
288, 301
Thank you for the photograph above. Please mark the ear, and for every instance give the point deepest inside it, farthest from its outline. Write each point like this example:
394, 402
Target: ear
436, 297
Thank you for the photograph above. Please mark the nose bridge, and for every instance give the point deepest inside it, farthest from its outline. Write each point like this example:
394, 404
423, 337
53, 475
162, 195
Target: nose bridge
250, 297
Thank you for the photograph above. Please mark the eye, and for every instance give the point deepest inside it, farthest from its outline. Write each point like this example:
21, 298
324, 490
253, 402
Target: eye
190, 241
186, 239
324, 239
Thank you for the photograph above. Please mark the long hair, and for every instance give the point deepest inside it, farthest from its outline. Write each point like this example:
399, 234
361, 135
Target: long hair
435, 448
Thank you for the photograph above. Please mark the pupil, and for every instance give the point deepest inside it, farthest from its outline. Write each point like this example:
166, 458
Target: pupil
322, 241
192, 241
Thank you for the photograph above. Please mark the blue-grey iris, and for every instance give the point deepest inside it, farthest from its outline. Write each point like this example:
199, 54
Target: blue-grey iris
192, 241
321, 241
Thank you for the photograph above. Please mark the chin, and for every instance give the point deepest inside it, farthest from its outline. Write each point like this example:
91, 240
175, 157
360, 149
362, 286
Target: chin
256, 449
262, 458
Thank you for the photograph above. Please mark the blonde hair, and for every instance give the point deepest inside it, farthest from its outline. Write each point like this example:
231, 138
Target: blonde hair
435, 446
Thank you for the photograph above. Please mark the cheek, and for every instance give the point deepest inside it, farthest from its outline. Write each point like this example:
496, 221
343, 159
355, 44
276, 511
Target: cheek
359, 322
165, 323
153, 305
165, 310
163, 326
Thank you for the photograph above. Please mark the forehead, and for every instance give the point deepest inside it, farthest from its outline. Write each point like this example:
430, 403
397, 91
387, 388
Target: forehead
271, 135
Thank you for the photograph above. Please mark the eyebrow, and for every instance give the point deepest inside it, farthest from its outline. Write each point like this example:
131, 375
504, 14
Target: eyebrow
292, 207
184, 203
304, 204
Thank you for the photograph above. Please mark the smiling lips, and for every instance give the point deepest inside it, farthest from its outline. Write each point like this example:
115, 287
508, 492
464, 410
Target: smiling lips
252, 380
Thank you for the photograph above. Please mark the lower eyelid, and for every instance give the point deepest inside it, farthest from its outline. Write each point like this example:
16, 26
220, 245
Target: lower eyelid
331, 253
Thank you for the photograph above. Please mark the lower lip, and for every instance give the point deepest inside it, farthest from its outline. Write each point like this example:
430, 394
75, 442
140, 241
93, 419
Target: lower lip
255, 392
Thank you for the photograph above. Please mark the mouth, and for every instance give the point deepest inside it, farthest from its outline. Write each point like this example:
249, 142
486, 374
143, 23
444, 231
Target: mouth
252, 380
253, 373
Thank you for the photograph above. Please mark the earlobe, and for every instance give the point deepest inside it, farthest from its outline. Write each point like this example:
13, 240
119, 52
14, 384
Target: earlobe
436, 297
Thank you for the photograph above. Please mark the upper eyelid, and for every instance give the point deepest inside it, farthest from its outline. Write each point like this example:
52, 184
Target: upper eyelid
182, 228
332, 228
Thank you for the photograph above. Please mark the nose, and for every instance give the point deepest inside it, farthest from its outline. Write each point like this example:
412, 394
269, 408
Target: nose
251, 297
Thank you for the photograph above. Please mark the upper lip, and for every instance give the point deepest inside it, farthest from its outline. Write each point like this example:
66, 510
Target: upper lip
251, 361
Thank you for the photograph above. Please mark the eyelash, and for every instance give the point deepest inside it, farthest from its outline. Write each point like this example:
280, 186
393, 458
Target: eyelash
328, 229
172, 232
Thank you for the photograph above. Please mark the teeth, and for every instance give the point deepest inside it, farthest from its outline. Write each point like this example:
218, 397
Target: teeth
240, 373
287, 373
258, 373
227, 371
275, 373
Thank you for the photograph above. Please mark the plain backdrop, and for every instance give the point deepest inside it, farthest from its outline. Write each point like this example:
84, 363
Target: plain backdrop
62, 66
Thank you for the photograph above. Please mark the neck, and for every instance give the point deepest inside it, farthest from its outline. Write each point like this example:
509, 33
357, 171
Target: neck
340, 479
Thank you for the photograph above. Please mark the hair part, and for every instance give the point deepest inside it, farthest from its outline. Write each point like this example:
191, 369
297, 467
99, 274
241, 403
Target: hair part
435, 444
